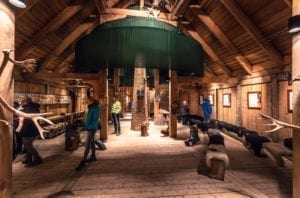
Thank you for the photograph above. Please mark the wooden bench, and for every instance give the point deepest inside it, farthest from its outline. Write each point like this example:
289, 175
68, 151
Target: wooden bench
277, 152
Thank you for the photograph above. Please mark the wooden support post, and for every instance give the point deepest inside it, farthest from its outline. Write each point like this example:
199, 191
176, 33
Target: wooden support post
103, 92
157, 95
138, 101
173, 101
296, 99
275, 104
7, 32
239, 105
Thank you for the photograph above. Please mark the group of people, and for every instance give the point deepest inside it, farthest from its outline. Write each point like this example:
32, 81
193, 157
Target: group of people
25, 137
28, 133
185, 111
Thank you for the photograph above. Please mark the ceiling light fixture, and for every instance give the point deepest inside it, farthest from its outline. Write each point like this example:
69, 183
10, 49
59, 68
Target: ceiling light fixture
18, 3
294, 24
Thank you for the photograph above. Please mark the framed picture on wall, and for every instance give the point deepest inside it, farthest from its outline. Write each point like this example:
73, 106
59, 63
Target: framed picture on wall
201, 99
254, 100
290, 101
211, 99
227, 100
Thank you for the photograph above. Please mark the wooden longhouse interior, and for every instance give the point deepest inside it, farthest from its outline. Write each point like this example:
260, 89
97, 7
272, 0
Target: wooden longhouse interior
153, 55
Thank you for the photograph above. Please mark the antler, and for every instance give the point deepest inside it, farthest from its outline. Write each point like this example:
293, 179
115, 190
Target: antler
28, 64
278, 124
33, 116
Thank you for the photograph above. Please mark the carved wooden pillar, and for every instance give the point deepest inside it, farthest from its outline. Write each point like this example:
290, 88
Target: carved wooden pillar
139, 99
7, 32
173, 101
296, 105
157, 95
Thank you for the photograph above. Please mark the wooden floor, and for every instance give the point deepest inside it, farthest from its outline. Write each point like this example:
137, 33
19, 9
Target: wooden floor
152, 166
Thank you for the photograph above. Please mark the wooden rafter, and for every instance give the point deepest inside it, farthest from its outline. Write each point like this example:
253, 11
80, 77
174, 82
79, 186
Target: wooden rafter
253, 31
66, 42
54, 24
139, 13
177, 8
288, 3
100, 5
29, 4
189, 80
65, 63
210, 52
51, 76
212, 26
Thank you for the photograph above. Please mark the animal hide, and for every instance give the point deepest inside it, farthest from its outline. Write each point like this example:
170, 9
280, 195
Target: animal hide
217, 152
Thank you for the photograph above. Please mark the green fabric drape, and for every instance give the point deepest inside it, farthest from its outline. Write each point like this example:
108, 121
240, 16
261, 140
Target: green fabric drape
138, 42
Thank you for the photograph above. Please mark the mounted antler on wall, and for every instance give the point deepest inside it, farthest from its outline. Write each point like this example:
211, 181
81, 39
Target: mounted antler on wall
29, 65
278, 124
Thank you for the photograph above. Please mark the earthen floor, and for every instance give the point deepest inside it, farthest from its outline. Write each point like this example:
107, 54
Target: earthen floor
152, 166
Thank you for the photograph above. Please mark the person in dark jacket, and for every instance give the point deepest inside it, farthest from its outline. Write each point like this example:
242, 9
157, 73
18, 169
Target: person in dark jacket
207, 110
184, 112
29, 132
91, 125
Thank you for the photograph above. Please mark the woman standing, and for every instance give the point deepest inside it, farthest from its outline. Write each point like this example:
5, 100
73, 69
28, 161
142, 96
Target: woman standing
91, 125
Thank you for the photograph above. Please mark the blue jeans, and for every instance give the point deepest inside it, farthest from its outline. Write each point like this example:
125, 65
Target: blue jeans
116, 121
206, 119
90, 144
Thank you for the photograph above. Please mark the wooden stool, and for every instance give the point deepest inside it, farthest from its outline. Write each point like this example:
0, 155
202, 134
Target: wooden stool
217, 169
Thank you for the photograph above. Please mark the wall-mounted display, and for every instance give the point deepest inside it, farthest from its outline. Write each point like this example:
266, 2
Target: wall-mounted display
201, 99
290, 101
44, 98
254, 100
227, 100
211, 99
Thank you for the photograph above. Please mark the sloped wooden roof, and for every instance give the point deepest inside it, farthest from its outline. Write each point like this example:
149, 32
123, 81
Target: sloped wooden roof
238, 36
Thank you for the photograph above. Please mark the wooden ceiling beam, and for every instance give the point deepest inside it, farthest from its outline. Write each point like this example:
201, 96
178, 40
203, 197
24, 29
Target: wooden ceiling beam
212, 26
50, 76
139, 13
253, 31
200, 80
210, 52
288, 3
29, 4
100, 5
66, 42
54, 24
181, 4
66, 62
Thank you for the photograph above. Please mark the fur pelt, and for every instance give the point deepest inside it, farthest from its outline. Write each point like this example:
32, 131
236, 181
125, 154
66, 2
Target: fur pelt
217, 152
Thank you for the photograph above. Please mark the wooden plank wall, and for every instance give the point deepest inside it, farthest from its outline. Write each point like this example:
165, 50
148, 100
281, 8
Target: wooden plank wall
227, 114
32, 88
250, 118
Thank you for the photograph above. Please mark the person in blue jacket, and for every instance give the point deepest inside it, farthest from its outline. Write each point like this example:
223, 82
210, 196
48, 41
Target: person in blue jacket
207, 110
91, 125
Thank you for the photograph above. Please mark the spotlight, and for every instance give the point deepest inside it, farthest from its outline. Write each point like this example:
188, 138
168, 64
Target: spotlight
18, 3
294, 24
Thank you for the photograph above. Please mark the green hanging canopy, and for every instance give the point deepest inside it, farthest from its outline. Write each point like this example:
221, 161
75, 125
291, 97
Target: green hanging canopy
138, 42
